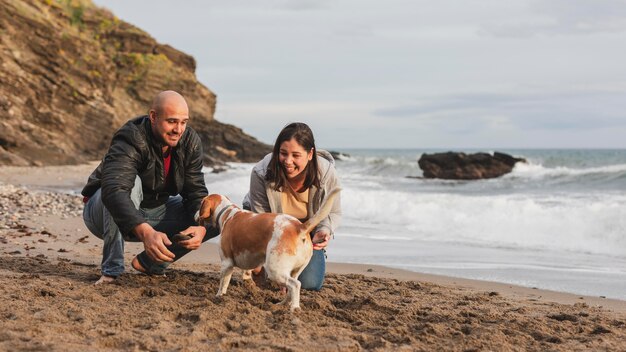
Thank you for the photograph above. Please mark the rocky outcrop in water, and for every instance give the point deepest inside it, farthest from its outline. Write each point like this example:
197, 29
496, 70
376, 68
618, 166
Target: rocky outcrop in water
71, 73
461, 166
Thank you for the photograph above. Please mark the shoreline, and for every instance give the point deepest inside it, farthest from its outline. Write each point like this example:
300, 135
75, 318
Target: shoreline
71, 177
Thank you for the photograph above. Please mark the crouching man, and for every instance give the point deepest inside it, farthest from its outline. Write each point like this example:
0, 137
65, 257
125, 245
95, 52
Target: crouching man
148, 188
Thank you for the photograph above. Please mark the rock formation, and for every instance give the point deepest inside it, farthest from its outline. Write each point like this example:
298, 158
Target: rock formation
72, 73
461, 166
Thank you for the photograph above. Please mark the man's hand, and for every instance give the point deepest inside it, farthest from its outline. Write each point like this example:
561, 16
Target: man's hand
197, 234
154, 242
320, 240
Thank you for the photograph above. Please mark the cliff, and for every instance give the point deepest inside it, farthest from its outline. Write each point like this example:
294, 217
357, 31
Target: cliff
71, 73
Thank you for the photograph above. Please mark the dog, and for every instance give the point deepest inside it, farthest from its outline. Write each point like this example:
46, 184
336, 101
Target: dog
280, 242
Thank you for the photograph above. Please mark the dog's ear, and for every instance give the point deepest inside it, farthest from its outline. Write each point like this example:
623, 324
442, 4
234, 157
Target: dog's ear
206, 208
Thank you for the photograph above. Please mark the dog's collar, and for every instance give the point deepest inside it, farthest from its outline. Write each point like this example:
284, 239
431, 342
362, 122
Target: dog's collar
219, 215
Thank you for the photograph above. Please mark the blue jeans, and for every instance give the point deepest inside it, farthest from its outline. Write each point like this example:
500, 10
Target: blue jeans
312, 277
169, 218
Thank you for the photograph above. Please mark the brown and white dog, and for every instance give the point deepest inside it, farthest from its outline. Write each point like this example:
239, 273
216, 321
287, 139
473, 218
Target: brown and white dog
280, 242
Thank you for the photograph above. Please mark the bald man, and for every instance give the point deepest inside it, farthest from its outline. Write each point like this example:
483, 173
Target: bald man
148, 188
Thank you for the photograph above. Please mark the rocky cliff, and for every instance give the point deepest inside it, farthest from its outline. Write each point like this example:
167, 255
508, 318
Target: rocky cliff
71, 73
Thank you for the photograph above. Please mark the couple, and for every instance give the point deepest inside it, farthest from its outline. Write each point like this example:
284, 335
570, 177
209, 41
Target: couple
149, 186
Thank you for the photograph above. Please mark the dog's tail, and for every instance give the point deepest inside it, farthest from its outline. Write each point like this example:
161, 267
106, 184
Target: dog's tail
321, 213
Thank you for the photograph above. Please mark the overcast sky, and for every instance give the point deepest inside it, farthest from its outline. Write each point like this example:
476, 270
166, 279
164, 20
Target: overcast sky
407, 74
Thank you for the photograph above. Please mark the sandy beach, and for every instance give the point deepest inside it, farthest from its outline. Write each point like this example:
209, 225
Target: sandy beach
50, 261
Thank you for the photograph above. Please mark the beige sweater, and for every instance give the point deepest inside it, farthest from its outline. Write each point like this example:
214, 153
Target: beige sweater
295, 204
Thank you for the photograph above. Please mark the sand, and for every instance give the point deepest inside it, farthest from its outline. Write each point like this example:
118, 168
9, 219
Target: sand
49, 263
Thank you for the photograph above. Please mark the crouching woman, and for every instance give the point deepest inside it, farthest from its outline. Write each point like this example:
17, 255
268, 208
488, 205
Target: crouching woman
295, 179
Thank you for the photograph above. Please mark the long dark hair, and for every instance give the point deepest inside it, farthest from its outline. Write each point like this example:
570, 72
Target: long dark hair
302, 134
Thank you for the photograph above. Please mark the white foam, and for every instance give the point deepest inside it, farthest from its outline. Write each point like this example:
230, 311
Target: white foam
594, 224
508, 229
233, 183
531, 170
579, 222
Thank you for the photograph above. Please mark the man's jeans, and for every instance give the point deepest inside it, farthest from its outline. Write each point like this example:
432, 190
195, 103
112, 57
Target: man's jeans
170, 218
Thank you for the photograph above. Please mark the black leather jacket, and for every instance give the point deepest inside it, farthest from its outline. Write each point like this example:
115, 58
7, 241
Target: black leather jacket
135, 151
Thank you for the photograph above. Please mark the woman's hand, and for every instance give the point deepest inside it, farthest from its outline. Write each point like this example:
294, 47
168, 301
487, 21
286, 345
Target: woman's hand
197, 234
320, 240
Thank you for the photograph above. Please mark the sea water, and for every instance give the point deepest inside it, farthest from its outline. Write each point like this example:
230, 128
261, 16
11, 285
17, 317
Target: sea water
556, 222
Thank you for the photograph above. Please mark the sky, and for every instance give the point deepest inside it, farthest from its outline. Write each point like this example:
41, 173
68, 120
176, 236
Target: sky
407, 73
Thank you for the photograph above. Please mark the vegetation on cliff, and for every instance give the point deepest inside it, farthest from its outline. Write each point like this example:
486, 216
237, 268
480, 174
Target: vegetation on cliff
71, 73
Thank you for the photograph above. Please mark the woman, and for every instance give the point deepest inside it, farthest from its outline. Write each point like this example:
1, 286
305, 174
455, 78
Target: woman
294, 179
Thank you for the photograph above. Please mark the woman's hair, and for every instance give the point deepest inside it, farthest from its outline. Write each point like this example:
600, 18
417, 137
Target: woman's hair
303, 135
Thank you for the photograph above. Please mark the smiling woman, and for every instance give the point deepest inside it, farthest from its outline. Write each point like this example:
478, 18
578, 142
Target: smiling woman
293, 151
294, 159
296, 179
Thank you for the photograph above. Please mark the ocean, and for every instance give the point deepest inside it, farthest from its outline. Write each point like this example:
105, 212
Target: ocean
557, 222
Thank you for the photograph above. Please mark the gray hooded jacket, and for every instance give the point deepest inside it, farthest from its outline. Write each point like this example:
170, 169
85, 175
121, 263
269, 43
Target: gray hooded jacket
262, 198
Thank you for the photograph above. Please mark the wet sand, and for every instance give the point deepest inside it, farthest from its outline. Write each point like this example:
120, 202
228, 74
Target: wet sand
49, 263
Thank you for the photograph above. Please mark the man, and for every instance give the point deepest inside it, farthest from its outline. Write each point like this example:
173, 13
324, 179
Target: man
148, 188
